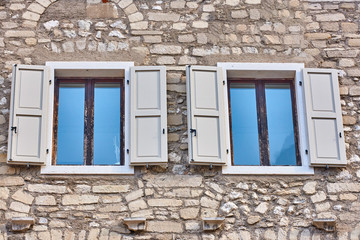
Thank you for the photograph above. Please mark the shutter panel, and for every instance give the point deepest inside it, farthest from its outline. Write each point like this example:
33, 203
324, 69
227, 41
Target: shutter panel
29, 114
324, 118
206, 117
148, 118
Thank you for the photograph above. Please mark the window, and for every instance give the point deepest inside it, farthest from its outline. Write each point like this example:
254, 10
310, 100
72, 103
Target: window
263, 122
88, 117
264, 118
88, 121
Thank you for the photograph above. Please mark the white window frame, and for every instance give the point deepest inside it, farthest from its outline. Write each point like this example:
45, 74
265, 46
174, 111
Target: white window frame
53, 169
305, 168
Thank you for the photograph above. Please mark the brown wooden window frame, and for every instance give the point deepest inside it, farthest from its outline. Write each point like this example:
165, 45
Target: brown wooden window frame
89, 117
262, 117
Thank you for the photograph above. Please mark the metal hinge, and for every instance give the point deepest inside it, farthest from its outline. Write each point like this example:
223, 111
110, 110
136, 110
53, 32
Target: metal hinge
13, 129
127, 151
47, 150
224, 82
300, 83
306, 152
128, 81
49, 81
193, 131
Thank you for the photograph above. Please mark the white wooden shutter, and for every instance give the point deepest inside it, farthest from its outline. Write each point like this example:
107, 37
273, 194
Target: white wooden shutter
148, 118
324, 118
28, 117
206, 116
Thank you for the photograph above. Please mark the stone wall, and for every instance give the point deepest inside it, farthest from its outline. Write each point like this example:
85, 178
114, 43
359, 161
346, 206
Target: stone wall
174, 198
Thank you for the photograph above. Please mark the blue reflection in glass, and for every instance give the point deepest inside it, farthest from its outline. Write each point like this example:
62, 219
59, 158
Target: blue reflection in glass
70, 135
107, 124
244, 124
280, 124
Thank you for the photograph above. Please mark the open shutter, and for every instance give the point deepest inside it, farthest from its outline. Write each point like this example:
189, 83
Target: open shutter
324, 119
206, 116
28, 117
148, 119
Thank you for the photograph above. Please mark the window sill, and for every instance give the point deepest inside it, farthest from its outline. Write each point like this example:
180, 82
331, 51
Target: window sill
83, 170
268, 170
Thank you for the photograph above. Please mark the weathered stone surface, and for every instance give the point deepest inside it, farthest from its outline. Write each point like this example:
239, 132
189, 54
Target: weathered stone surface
253, 219
318, 197
349, 120
4, 192
342, 53
19, 207
330, 17
137, 205
134, 195
111, 188
163, 17
73, 199
19, 33
209, 203
45, 200
189, 213
262, 207
165, 226
160, 202
173, 181
343, 187
46, 188
310, 187
200, 24
107, 10
165, 49
11, 181
113, 208
23, 197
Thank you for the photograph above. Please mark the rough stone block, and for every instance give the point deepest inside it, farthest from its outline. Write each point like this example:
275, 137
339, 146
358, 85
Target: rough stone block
200, 24
166, 60
102, 10
162, 202
19, 207
173, 181
163, 17
165, 49
165, 226
73, 199
11, 181
343, 187
111, 188
46, 200
23, 197
239, 14
137, 205
21, 33
31, 16
139, 25
334, 17
46, 188
37, 8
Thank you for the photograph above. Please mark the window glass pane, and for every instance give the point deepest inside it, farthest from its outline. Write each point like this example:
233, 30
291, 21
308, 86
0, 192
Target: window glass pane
245, 135
70, 135
280, 124
107, 124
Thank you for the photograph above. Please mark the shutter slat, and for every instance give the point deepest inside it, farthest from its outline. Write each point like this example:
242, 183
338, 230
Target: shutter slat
29, 114
148, 118
207, 121
324, 118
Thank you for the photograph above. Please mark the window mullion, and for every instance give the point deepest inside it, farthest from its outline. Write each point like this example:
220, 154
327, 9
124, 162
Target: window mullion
295, 117
262, 124
89, 122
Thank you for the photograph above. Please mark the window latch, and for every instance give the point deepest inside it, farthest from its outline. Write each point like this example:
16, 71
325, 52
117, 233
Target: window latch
193, 131
13, 129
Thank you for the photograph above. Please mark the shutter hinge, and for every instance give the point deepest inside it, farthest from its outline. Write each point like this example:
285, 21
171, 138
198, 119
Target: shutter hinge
192, 160
10, 159
13, 129
211, 166
47, 150
49, 81
224, 82
306, 152
127, 151
128, 81
163, 131
340, 134
227, 150
300, 83
193, 131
